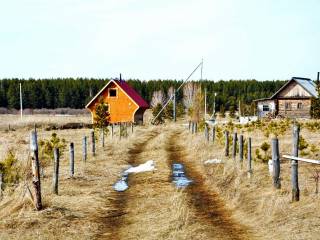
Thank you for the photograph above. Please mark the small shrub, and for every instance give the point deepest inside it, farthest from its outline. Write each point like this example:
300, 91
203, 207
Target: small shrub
303, 144
46, 148
10, 168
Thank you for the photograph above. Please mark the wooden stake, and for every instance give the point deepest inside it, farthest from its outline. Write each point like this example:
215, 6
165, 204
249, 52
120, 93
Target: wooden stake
112, 130
189, 126
249, 158
234, 146
213, 133
131, 127
84, 148
276, 163
206, 132
35, 169
1, 184
93, 143
120, 130
241, 148
71, 159
55, 170
294, 164
226, 148
102, 137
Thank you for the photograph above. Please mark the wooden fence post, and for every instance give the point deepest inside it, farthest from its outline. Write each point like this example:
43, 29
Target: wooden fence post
126, 129
206, 132
93, 143
112, 130
294, 164
120, 125
241, 148
192, 127
276, 163
131, 127
102, 137
226, 148
189, 126
213, 133
234, 146
84, 148
35, 169
71, 159
55, 170
1, 184
249, 158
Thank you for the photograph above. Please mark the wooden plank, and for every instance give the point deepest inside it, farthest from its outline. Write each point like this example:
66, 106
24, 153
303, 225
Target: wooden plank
301, 159
93, 143
84, 148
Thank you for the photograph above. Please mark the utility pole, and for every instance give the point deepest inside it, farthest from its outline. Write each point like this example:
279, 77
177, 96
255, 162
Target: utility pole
214, 105
21, 110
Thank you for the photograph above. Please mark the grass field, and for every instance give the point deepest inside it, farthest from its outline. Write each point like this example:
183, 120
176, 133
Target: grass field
223, 203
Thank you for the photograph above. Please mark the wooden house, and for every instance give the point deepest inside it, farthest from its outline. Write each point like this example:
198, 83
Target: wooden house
292, 100
124, 103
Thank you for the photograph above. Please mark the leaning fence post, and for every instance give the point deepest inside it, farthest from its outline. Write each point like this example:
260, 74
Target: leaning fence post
241, 148
294, 164
206, 132
234, 146
84, 148
71, 159
226, 149
35, 169
276, 163
249, 158
93, 143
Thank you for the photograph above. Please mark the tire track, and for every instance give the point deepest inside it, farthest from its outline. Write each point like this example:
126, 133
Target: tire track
114, 217
210, 209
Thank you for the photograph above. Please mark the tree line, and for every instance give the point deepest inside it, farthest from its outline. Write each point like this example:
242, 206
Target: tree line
76, 93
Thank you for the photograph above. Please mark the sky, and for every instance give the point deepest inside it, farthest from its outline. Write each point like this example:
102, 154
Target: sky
148, 39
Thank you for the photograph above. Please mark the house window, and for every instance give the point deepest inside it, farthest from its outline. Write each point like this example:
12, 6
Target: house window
288, 106
299, 106
265, 108
112, 92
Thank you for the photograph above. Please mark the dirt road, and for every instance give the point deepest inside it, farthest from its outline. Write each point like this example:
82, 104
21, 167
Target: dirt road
153, 208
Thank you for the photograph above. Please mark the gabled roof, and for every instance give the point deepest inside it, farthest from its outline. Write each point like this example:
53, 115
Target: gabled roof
306, 83
129, 91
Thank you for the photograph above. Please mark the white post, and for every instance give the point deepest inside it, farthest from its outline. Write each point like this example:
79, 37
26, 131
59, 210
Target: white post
20, 102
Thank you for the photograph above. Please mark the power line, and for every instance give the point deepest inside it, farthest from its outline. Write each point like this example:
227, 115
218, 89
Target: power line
171, 97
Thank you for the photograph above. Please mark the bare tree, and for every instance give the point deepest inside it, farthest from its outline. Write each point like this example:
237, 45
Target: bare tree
189, 92
157, 98
170, 92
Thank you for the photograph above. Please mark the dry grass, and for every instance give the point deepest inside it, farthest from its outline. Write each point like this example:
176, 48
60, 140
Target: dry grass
268, 212
152, 208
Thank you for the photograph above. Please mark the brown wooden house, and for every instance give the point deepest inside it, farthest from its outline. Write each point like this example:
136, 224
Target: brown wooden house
292, 100
124, 103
